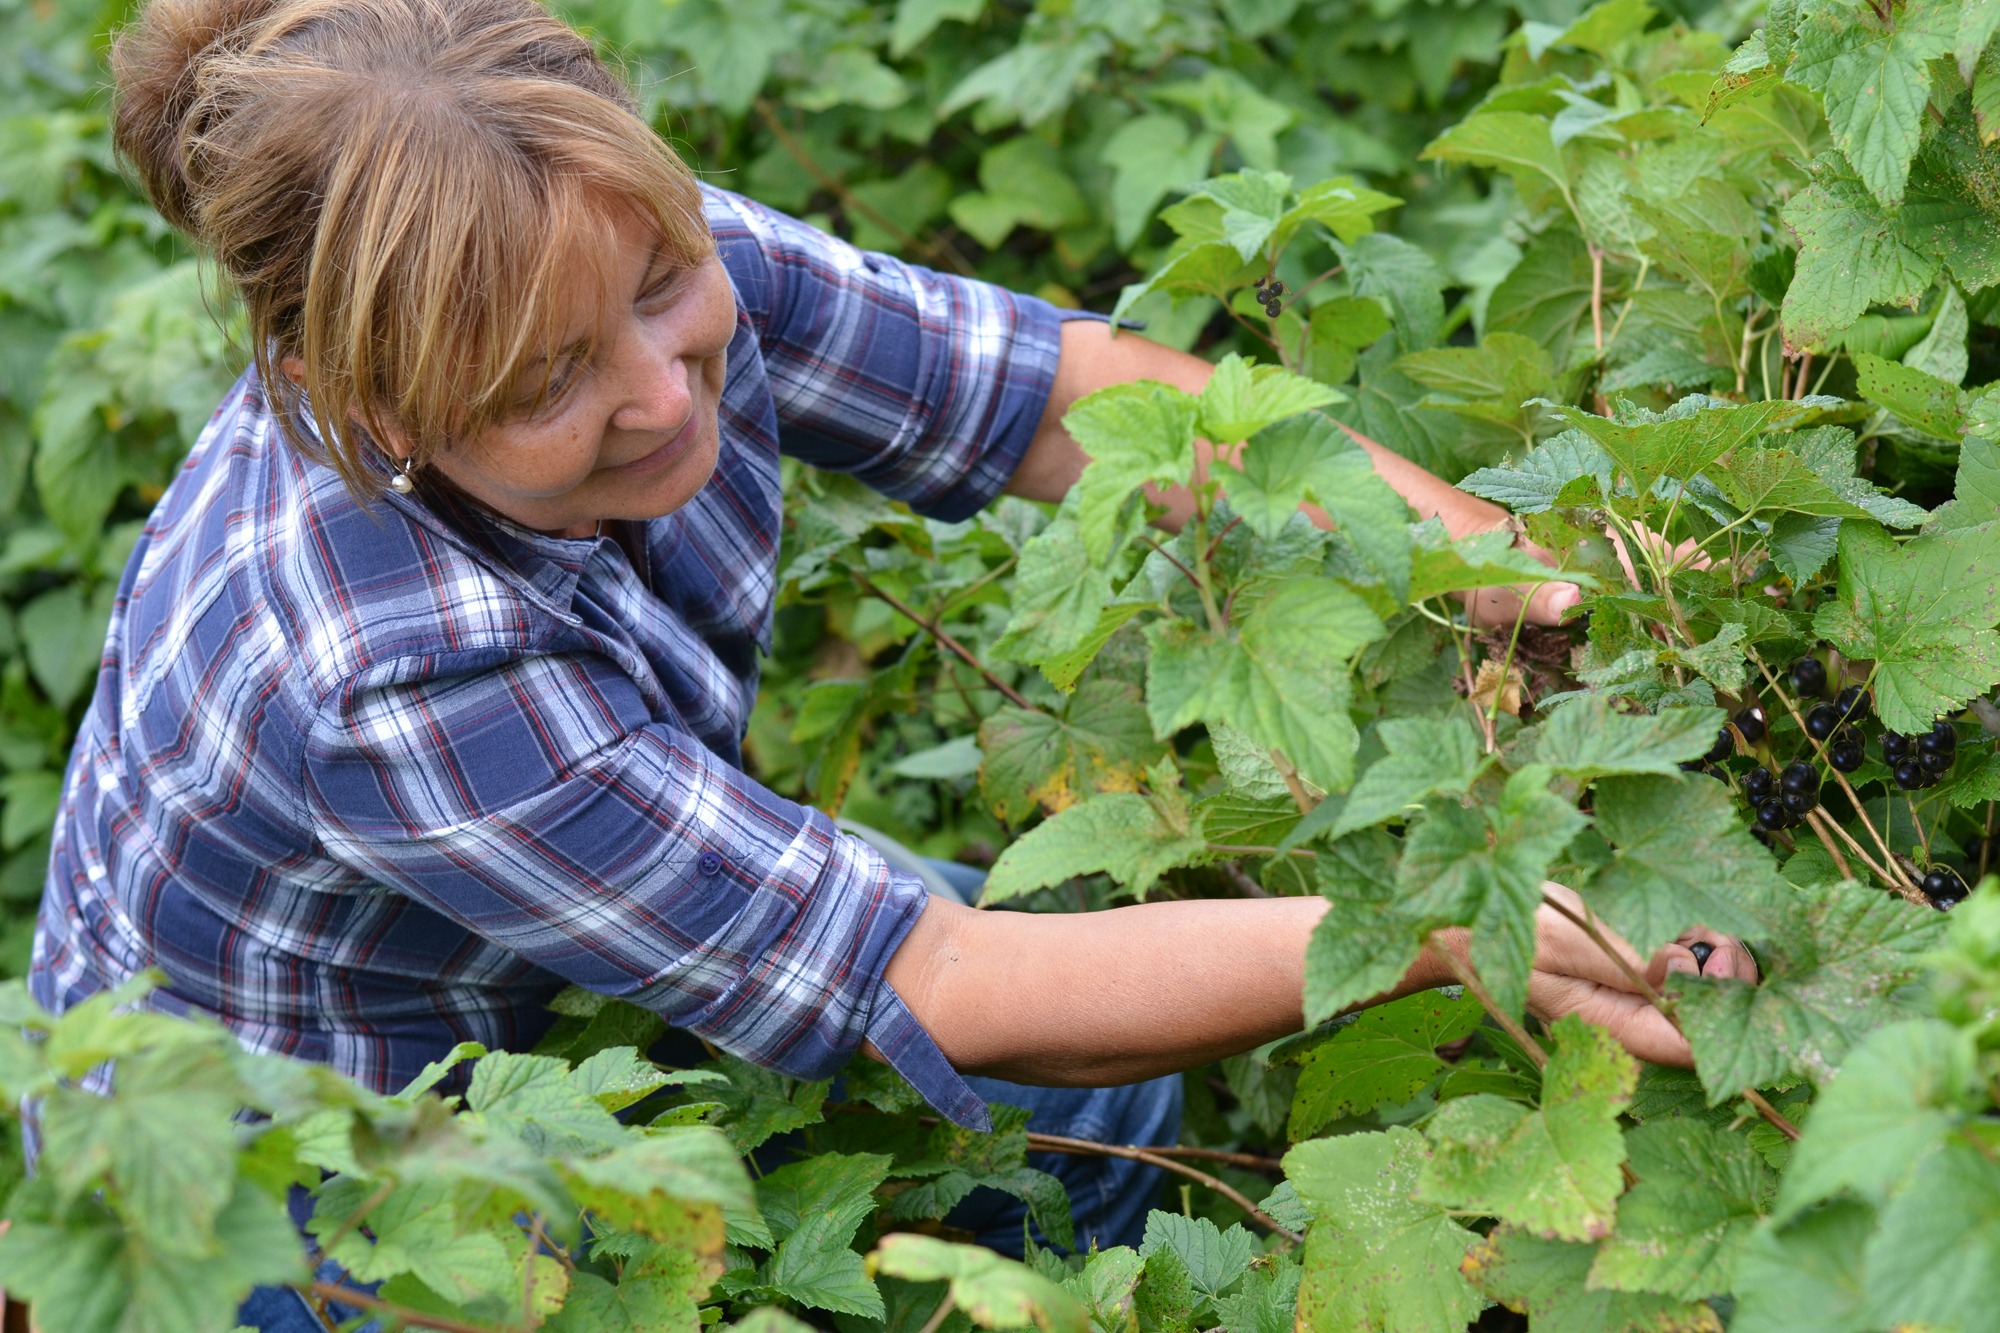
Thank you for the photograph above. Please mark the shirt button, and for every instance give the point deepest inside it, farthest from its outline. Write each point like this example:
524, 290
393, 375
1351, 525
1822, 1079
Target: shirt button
710, 864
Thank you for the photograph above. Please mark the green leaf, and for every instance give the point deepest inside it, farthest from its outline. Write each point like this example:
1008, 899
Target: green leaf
1832, 968
617, 1077
64, 638
1024, 183
532, 1096
1680, 1227
1384, 1057
1425, 757
996, 1292
1365, 943
1900, 1092
1875, 82
1807, 1277
1679, 446
1406, 280
814, 1207
1924, 612
1852, 254
1105, 1288
1546, 1280
1376, 1258
636, 1305
1552, 1171
1213, 1258
1681, 858
1934, 1260
1307, 458
1767, 481
1034, 760
1240, 399
1282, 679
1121, 834
917, 19
1513, 141
1059, 597
1591, 738
1919, 400
1151, 156
1483, 867
1439, 566
659, 1183
1134, 434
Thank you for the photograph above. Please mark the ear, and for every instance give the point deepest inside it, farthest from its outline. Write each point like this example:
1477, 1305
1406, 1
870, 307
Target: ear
393, 441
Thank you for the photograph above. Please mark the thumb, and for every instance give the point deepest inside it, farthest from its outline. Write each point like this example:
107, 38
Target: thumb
1552, 601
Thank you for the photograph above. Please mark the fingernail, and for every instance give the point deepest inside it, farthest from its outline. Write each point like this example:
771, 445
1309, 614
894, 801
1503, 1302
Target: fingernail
1564, 600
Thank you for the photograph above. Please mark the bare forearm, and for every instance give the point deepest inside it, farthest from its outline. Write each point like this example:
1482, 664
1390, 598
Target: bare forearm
1111, 997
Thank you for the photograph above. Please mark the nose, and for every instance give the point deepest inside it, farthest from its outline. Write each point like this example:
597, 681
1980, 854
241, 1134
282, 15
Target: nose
654, 384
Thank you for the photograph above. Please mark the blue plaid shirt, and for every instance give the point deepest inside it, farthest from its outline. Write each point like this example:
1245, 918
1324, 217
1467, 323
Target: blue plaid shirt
367, 781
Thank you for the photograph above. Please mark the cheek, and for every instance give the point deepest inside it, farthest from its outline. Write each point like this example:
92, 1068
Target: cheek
544, 463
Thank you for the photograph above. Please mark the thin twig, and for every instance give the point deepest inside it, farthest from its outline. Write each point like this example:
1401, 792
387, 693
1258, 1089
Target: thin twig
353, 1220
1818, 819
1290, 773
1249, 1161
1086, 1148
1245, 885
1477, 988
333, 1291
1772, 1114
1170, 559
938, 1316
1597, 297
938, 632
1260, 849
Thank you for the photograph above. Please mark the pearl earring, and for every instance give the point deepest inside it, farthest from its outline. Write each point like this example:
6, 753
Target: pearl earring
401, 483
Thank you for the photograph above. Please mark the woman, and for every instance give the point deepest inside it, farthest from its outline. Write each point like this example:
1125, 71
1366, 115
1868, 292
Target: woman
425, 686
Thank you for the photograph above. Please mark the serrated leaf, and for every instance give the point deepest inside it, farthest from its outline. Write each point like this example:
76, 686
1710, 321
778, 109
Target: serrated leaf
1376, 1258
996, 1292
1545, 1280
1897, 1096
1681, 858
1059, 600
1934, 1260
1924, 612
1384, 1057
1103, 741
1514, 141
1590, 739
1307, 458
1680, 1227
1484, 560
1425, 757
1119, 833
1535, 482
1678, 447
1212, 1257
1134, 434
1832, 971
1808, 1277
1365, 943
1767, 481
1282, 679
1852, 254
1919, 400
1874, 81
1552, 1171
1483, 867
1240, 399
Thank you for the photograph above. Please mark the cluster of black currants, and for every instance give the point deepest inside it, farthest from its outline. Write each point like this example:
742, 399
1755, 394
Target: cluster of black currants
1270, 295
1917, 762
1782, 800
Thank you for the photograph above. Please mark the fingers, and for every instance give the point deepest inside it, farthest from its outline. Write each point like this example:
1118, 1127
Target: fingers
1726, 956
1638, 1027
1549, 603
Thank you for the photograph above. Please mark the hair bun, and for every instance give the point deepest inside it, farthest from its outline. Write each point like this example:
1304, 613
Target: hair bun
156, 66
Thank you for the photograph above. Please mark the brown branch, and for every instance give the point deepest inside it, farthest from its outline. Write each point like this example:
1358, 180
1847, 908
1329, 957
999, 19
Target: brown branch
1186, 573
938, 632
1508, 1023
1086, 1148
851, 202
1249, 1161
1772, 1114
1819, 827
1245, 885
333, 1291
939, 1315
1597, 297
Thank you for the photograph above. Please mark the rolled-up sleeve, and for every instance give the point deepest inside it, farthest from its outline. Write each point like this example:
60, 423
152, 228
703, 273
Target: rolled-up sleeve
926, 386
536, 803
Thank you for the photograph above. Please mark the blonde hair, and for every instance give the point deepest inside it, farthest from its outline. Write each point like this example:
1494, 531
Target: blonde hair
400, 191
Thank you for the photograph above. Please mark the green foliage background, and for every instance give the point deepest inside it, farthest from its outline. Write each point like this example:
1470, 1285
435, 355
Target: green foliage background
1723, 274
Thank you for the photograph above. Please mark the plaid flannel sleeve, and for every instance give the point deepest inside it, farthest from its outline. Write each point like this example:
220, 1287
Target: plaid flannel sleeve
926, 386
536, 803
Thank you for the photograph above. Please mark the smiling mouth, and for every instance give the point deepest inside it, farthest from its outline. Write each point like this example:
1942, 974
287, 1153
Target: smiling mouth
663, 455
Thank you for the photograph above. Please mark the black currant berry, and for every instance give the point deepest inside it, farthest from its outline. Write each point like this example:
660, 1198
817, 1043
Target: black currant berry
1701, 952
1932, 743
1808, 677
1822, 721
1798, 802
1896, 746
1854, 704
1725, 745
1944, 733
1773, 815
1273, 309
1799, 775
1760, 784
1937, 765
1944, 888
1277, 288
1751, 723
1910, 775
1847, 752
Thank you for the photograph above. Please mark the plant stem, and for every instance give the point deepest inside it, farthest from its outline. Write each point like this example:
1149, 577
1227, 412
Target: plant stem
1086, 1148
1300, 797
1477, 989
938, 1316
937, 631
1597, 298
402, 1314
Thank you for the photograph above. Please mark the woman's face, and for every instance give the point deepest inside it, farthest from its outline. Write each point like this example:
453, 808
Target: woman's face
628, 431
